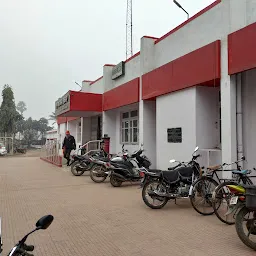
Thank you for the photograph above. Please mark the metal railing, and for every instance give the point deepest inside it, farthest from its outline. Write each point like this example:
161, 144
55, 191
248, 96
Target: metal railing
88, 147
50, 152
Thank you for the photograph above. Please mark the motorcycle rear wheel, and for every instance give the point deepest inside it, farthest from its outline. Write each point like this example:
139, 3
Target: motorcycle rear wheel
100, 172
163, 200
74, 171
239, 228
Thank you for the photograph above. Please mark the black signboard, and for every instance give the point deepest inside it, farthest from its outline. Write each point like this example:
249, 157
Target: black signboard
118, 70
174, 135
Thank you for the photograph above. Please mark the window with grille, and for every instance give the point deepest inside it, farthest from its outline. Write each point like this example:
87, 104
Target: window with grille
130, 127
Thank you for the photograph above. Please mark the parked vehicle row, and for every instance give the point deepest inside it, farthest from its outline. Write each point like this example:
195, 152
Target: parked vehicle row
207, 192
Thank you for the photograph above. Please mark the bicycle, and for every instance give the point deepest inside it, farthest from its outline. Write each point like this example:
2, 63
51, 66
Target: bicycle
202, 186
224, 193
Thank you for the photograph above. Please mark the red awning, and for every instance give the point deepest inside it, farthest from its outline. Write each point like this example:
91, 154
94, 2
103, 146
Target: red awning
78, 104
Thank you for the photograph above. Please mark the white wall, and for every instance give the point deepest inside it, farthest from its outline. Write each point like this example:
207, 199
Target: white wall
109, 127
52, 135
86, 129
207, 117
149, 132
112, 127
61, 134
97, 87
217, 23
249, 117
132, 71
175, 110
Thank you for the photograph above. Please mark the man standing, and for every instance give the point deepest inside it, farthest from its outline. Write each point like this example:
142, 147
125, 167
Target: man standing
69, 144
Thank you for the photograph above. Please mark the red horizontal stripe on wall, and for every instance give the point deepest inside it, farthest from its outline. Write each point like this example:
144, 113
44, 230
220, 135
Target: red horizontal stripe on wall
122, 95
195, 68
241, 50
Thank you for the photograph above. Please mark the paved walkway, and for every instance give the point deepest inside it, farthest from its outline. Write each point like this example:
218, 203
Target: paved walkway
95, 219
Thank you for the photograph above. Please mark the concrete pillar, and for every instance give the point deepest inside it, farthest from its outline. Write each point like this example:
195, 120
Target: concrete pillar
147, 109
228, 111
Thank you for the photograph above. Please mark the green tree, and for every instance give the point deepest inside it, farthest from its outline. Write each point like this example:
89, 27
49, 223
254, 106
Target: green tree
33, 129
30, 132
21, 107
43, 126
53, 117
8, 113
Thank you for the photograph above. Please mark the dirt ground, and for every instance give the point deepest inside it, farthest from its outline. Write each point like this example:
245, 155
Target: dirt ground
29, 153
96, 219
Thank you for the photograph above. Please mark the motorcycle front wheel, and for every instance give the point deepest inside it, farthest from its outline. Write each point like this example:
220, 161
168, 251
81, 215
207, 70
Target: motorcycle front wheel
74, 170
247, 231
97, 174
148, 195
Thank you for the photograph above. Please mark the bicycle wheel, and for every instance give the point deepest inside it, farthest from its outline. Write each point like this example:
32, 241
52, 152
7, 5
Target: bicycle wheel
221, 203
203, 189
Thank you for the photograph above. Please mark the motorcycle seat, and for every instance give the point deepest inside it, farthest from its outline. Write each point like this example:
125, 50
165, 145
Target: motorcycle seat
82, 157
103, 159
155, 170
171, 168
171, 176
185, 172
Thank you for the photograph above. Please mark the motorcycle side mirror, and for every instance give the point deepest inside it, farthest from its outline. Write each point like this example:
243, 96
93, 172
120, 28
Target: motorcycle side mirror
172, 161
196, 149
44, 222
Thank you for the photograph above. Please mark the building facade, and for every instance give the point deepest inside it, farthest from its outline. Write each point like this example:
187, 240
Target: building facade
192, 87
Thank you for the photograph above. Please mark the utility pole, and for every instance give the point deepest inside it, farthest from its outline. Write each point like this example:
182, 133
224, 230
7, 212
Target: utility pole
129, 43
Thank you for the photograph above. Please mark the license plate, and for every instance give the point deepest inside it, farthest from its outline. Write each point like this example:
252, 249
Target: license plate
233, 200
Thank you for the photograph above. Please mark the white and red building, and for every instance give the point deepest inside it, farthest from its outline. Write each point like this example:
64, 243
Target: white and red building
167, 96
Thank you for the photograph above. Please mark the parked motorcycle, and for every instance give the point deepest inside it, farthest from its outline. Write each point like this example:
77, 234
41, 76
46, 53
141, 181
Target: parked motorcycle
151, 174
243, 201
21, 249
101, 168
82, 163
172, 184
126, 167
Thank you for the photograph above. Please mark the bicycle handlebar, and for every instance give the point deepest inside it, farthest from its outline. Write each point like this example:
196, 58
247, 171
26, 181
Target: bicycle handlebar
235, 162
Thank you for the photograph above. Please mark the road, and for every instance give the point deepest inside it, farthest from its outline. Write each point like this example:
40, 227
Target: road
96, 219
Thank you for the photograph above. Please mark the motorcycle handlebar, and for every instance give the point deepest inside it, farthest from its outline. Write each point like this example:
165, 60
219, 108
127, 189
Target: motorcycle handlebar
29, 248
23, 252
195, 157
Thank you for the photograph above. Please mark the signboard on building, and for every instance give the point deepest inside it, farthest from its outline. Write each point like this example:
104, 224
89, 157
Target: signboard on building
174, 135
62, 105
118, 70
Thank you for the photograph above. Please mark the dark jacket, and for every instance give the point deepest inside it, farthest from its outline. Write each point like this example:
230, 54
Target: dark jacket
69, 143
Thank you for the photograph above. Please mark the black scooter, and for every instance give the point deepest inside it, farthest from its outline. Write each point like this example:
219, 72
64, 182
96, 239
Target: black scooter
122, 169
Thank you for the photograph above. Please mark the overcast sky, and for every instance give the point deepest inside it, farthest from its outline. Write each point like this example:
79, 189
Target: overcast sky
45, 45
